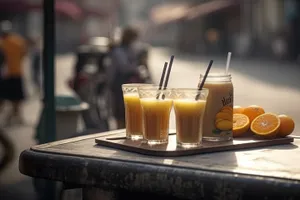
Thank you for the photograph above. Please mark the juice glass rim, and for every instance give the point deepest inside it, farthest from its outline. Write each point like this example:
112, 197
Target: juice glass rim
217, 75
154, 92
136, 84
190, 89
155, 88
189, 94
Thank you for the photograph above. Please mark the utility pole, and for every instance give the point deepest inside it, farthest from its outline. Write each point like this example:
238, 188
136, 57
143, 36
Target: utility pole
49, 70
49, 84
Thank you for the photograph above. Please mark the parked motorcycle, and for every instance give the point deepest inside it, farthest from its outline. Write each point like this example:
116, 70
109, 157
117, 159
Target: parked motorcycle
143, 65
90, 79
90, 83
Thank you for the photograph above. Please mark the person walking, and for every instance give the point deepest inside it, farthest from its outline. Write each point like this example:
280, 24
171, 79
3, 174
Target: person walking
124, 69
14, 49
2, 89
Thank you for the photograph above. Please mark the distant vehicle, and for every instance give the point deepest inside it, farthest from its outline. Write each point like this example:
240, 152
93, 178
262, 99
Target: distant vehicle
142, 50
90, 83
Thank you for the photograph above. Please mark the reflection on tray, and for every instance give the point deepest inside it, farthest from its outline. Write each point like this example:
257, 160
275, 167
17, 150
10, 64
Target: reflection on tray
171, 148
124, 137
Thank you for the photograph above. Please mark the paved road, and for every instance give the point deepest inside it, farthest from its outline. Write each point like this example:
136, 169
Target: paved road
274, 86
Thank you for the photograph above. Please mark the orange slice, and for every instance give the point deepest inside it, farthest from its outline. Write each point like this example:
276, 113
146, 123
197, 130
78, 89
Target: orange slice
227, 109
224, 115
266, 125
218, 120
287, 125
241, 124
253, 111
224, 125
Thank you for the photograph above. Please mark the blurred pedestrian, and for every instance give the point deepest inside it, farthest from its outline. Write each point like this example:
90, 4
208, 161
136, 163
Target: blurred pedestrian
14, 50
124, 69
2, 89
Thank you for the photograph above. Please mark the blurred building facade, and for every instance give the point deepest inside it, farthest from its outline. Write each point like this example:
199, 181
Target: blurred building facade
138, 13
246, 27
76, 20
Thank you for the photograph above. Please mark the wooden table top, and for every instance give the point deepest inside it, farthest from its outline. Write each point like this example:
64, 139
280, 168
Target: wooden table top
276, 164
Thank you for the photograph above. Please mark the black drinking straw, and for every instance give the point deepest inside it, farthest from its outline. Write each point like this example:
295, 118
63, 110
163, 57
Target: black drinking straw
204, 78
162, 79
168, 74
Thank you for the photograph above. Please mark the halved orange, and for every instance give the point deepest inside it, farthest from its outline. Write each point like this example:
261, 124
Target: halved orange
241, 124
266, 125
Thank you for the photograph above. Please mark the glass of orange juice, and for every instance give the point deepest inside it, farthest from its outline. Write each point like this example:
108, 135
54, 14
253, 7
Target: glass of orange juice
189, 112
156, 107
133, 111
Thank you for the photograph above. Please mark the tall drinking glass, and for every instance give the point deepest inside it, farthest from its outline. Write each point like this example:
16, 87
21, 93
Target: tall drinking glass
156, 108
189, 112
133, 111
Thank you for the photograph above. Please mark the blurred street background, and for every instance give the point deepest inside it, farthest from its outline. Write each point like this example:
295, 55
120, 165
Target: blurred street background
263, 36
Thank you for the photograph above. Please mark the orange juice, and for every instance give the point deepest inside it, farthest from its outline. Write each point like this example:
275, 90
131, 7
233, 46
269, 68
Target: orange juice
156, 115
189, 115
133, 116
133, 111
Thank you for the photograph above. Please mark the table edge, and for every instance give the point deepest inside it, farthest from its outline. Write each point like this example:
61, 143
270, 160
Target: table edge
190, 168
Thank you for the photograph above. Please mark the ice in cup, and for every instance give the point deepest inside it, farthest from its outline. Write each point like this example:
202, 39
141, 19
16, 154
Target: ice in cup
156, 108
133, 111
189, 112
